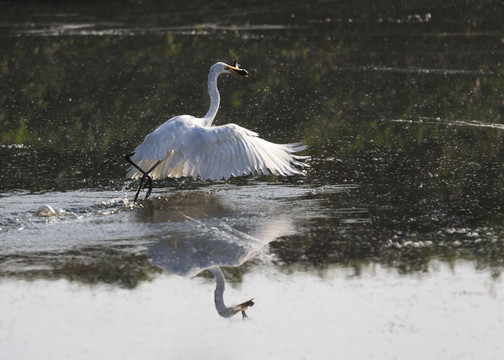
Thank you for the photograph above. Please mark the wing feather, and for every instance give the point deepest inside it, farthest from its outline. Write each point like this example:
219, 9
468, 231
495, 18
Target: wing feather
186, 148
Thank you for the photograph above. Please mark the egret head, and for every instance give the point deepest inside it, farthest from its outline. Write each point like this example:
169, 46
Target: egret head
225, 68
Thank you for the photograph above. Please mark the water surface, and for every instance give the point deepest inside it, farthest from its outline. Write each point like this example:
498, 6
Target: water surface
391, 246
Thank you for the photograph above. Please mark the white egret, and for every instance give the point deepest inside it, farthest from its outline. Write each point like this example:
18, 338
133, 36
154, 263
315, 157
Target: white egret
188, 146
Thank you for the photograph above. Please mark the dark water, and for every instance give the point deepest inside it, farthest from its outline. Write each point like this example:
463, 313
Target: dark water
401, 105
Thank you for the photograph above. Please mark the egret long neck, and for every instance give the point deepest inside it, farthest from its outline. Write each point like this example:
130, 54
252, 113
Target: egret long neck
221, 308
214, 98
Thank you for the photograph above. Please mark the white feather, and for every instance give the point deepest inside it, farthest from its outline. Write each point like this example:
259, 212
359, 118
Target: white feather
189, 146
215, 153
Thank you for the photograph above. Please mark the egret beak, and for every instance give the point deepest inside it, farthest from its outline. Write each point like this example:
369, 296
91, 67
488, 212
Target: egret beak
242, 307
237, 71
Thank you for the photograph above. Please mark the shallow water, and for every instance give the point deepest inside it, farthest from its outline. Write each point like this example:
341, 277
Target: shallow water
391, 246
380, 314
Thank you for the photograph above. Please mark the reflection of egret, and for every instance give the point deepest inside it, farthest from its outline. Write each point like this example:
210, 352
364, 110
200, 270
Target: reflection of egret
189, 146
222, 309
196, 240
187, 253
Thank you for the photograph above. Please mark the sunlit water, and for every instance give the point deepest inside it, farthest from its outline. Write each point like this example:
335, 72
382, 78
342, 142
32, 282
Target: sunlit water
380, 315
359, 311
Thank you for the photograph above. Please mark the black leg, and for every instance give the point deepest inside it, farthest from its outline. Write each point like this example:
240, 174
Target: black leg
149, 178
139, 188
149, 181
145, 176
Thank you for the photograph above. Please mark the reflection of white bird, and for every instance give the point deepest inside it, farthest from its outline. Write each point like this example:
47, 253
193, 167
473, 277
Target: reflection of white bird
205, 235
189, 146
222, 309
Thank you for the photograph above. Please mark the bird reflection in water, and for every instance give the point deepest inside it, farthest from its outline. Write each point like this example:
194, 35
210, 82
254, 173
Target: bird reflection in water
222, 309
203, 234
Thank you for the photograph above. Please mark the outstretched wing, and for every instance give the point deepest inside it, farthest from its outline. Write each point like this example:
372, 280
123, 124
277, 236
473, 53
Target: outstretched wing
217, 153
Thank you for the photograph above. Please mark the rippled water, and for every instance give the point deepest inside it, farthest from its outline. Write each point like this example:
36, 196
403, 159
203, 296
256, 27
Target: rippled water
391, 246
